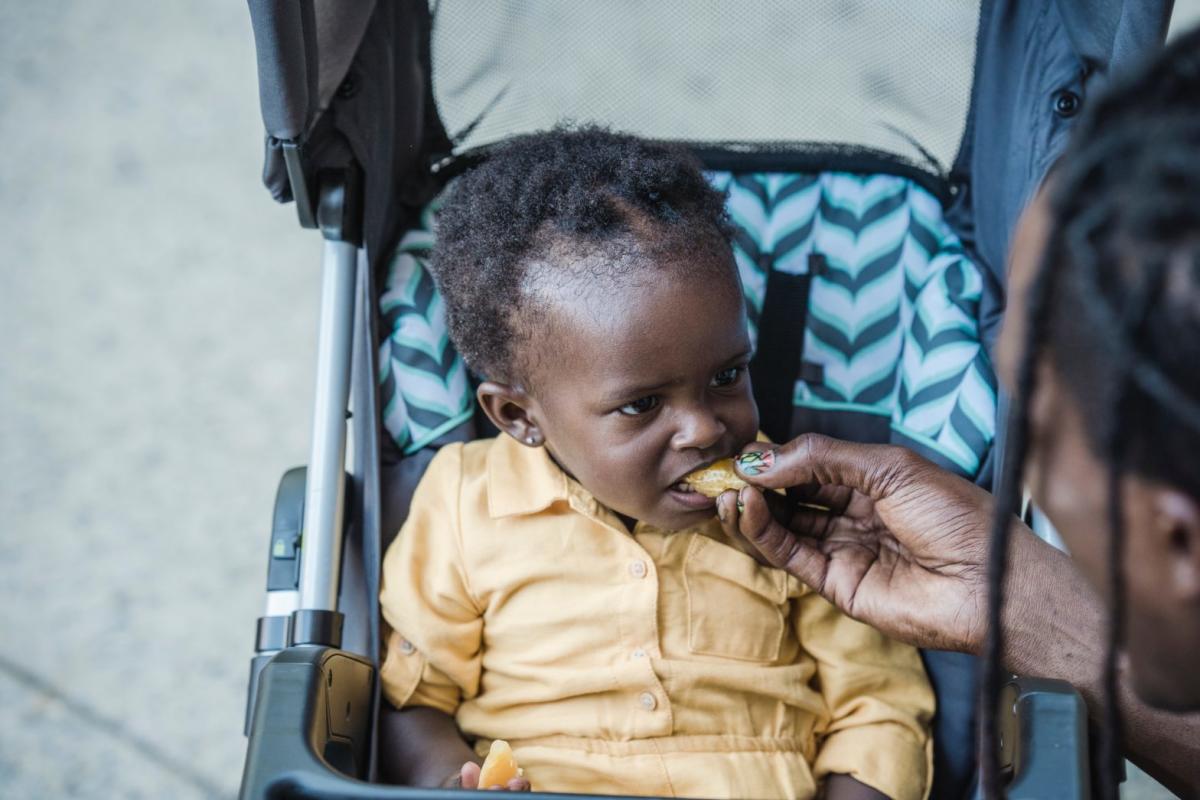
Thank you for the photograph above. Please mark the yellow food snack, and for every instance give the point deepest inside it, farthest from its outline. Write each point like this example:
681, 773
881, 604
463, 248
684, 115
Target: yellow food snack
499, 767
717, 477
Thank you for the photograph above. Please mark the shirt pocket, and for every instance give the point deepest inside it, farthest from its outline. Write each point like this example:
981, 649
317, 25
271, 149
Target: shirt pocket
736, 607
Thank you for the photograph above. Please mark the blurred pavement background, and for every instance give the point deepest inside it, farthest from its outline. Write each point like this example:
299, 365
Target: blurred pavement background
157, 314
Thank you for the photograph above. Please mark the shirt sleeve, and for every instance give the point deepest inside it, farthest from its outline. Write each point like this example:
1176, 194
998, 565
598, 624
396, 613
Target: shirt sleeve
434, 625
879, 699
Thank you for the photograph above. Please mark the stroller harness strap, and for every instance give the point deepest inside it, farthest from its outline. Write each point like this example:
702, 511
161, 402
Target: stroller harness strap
777, 366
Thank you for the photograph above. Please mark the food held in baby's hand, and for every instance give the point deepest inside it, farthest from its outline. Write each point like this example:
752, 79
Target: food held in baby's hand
499, 767
716, 478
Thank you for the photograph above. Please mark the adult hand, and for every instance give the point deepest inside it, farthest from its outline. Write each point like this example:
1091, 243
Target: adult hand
902, 546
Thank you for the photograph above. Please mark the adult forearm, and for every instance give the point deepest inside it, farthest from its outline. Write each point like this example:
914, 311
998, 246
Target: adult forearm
421, 746
1054, 623
1056, 627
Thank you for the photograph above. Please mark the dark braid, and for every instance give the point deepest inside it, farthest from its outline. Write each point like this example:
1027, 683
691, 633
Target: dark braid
1113, 753
1142, 302
1125, 225
1007, 499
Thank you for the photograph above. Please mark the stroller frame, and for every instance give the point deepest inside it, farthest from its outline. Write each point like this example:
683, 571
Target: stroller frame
312, 703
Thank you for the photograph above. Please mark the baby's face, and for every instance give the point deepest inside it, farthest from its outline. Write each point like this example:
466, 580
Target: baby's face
642, 385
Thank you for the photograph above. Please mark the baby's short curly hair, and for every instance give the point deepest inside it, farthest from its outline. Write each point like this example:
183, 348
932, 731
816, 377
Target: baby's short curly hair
562, 204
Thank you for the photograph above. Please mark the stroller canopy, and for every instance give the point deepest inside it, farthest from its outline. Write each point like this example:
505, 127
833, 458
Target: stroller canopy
964, 92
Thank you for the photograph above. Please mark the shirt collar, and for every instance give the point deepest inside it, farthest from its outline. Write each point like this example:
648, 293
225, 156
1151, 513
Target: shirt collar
525, 480
522, 480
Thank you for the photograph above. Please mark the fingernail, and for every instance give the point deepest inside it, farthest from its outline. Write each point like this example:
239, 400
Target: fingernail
721, 511
755, 462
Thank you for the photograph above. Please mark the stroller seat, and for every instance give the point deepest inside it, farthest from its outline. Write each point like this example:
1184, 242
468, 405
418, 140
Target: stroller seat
878, 338
890, 349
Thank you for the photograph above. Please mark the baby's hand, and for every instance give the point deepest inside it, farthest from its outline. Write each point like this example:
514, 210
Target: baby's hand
468, 778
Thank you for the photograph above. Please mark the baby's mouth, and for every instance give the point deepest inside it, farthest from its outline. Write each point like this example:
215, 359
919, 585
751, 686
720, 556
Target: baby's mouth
682, 486
686, 496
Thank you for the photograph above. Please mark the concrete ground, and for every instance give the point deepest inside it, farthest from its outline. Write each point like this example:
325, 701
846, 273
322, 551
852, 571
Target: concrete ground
157, 312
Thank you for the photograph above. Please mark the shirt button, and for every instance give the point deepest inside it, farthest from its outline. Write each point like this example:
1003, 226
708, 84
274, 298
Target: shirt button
648, 701
407, 647
639, 653
638, 569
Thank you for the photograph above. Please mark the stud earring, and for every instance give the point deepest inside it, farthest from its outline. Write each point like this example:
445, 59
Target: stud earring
531, 440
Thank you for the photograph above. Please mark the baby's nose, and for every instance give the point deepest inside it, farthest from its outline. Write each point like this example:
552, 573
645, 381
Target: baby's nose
699, 429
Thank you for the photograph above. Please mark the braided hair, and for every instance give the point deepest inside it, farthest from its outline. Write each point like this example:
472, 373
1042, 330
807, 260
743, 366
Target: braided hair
1115, 306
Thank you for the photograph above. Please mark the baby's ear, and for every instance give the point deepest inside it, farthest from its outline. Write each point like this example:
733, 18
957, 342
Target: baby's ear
509, 408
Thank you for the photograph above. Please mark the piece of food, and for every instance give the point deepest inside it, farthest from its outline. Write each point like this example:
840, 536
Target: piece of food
499, 767
717, 477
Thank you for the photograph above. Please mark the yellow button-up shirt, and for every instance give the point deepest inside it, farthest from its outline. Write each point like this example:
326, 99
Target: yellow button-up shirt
657, 662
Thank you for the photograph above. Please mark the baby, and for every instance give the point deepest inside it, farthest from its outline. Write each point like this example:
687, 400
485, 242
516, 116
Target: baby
560, 586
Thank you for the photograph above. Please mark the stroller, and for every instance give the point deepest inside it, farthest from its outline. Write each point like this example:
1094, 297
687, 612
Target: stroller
874, 158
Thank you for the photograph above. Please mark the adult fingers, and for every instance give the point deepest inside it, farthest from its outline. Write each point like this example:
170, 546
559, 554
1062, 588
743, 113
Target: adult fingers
834, 498
519, 785
812, 459
812, 520
781, 547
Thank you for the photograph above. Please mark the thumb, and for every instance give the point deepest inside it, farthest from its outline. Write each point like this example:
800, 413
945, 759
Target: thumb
815, 459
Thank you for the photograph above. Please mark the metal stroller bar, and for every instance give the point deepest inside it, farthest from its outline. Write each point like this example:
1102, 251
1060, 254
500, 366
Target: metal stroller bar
324, 497
312, 608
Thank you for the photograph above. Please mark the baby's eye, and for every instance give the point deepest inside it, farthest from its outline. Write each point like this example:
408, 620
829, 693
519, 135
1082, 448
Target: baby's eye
727, 377
640, 406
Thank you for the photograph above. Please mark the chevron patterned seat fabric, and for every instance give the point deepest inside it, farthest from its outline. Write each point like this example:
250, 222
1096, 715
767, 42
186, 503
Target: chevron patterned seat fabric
893, 316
